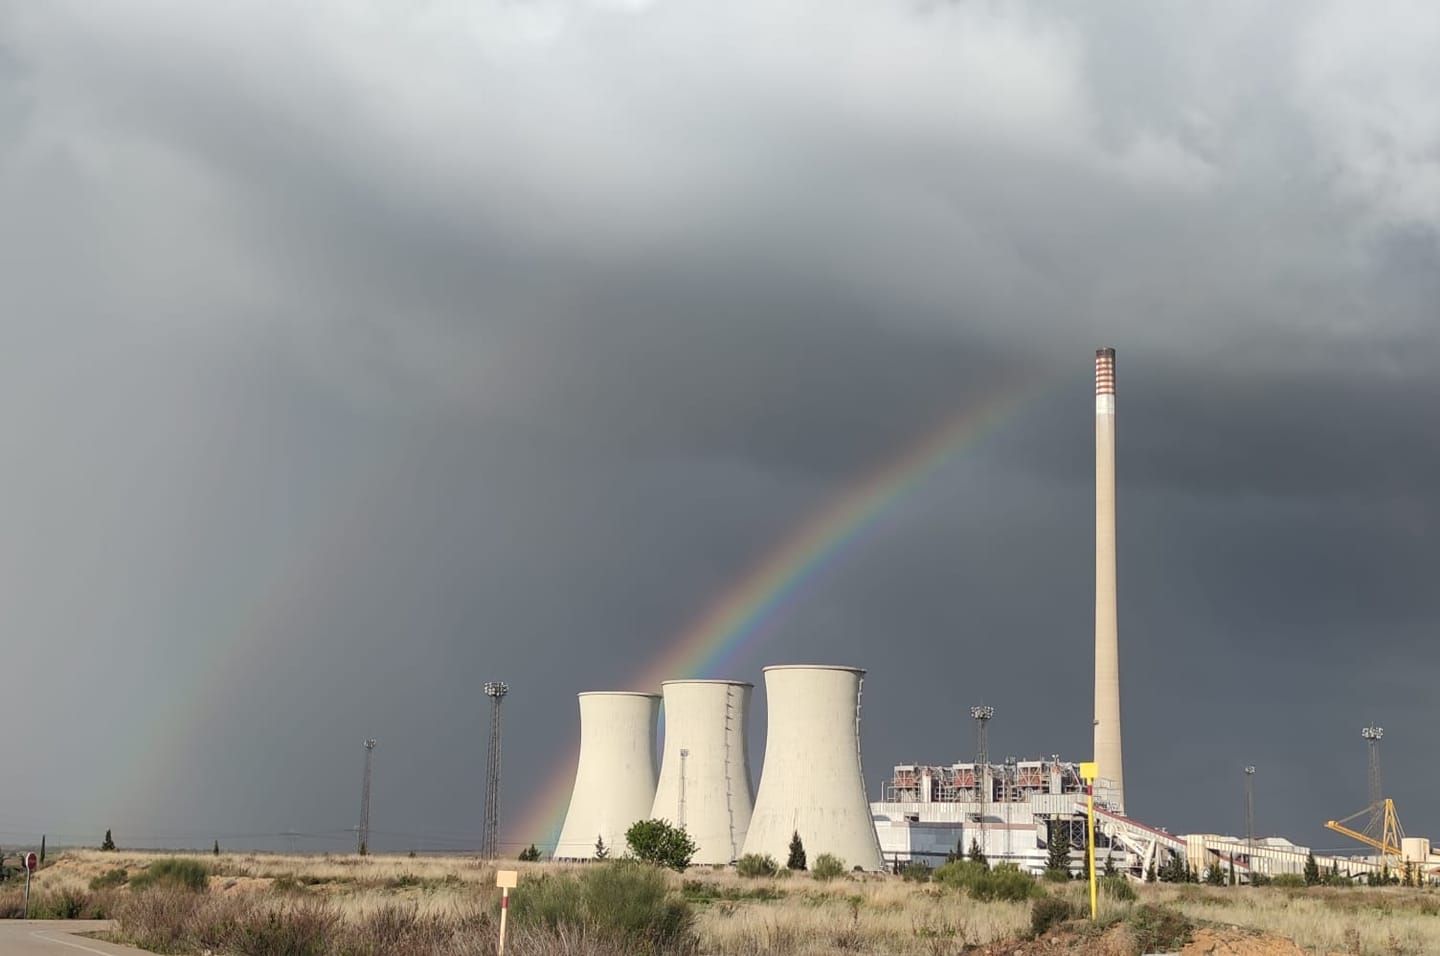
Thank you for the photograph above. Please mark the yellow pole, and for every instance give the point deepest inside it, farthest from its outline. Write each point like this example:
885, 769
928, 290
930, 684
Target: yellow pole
1088, 774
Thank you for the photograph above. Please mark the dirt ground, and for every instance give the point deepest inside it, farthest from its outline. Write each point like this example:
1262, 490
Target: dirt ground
1205, 942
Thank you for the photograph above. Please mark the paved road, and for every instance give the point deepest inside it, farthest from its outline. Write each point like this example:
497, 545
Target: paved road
57, 938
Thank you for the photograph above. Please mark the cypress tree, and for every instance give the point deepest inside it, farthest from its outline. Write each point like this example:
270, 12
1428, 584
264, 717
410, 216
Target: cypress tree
797, 853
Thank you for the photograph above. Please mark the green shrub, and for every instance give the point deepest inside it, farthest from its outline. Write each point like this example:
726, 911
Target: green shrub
916, 872
531, 854
1052, 875
624, 902
796, 860
656, 841
959, 874
173, 871
1288, 881
1005, 882
1118, 888
827, 867
1048, 912
756, 864
111, 878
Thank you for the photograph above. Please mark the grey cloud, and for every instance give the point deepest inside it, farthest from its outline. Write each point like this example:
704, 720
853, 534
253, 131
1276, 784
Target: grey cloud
397, 350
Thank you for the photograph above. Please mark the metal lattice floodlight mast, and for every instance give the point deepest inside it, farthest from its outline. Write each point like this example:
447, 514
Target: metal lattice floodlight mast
1250, 809
1372, 735
489, 848
363, 836
982, 716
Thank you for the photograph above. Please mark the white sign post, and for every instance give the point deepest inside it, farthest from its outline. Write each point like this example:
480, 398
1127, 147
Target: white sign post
30, 863
506, 880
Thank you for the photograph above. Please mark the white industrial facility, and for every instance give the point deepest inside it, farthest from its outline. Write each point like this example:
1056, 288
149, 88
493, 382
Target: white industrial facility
615, 778
812, 781
705, 771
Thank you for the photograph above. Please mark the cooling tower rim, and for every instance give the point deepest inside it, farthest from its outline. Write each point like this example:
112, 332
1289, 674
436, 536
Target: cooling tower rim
732, 683
617, 693
813, 667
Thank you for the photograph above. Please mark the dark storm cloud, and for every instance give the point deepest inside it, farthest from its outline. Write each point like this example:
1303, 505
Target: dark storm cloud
375, 352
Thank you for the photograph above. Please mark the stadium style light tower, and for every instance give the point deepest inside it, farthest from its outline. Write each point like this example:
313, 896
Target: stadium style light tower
982, 715
1372, 735
489, 848
364, 831
1250, 810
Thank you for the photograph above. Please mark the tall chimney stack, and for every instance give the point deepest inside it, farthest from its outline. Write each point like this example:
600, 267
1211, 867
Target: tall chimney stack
1110, 767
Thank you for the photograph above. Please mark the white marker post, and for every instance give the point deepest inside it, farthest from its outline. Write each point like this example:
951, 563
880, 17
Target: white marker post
30, 863
506, 880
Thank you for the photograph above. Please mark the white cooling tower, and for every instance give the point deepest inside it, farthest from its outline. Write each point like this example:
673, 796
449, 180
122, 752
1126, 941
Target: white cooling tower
812, 782
615, 777
705, 770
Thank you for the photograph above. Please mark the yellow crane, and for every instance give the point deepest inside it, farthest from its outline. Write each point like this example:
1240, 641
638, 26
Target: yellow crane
1391, 833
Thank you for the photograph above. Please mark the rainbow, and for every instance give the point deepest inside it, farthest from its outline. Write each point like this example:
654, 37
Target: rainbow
747, 609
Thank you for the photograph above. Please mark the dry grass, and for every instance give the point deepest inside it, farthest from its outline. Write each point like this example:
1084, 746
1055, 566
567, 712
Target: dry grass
794, 916
1383, 921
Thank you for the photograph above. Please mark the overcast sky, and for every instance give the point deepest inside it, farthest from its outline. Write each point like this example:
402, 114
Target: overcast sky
358, 353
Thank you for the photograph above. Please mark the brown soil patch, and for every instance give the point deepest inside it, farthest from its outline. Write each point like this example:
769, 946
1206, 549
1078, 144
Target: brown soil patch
1116, 942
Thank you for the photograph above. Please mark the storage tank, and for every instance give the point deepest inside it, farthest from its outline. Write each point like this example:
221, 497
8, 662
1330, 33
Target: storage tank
705, 766
615, 776
812, 782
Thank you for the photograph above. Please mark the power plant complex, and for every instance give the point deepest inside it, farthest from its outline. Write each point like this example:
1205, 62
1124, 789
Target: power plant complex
812, 782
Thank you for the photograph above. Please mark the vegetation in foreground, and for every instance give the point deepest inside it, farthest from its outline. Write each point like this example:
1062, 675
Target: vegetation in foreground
316, 906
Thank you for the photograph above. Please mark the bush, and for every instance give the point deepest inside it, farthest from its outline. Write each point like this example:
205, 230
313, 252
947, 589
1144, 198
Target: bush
296, 929
755, 864
1052, 875
109, 879
827, 867
1005, 882
1158, 930
1118, 888
656, 841
916, 872
1288, 881
1048, 912
959, 874
624, 902
531, 854
173, 871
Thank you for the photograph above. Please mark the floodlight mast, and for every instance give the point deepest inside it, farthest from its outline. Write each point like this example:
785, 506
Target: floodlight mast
982, 715
496, 691
363, 836
1250, 812
1372, 735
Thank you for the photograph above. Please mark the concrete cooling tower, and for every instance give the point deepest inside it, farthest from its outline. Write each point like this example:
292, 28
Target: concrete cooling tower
615, 778
705, 770
812, 782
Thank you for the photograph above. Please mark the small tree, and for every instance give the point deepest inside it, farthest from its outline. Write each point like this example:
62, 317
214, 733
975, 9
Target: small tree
1110, 865
109, 843
216, 851
1057, 852
1312, 870
1214, 876
42, 848
602, 852
531, 854
797, 853
1150, 872
656, 841
977, 855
